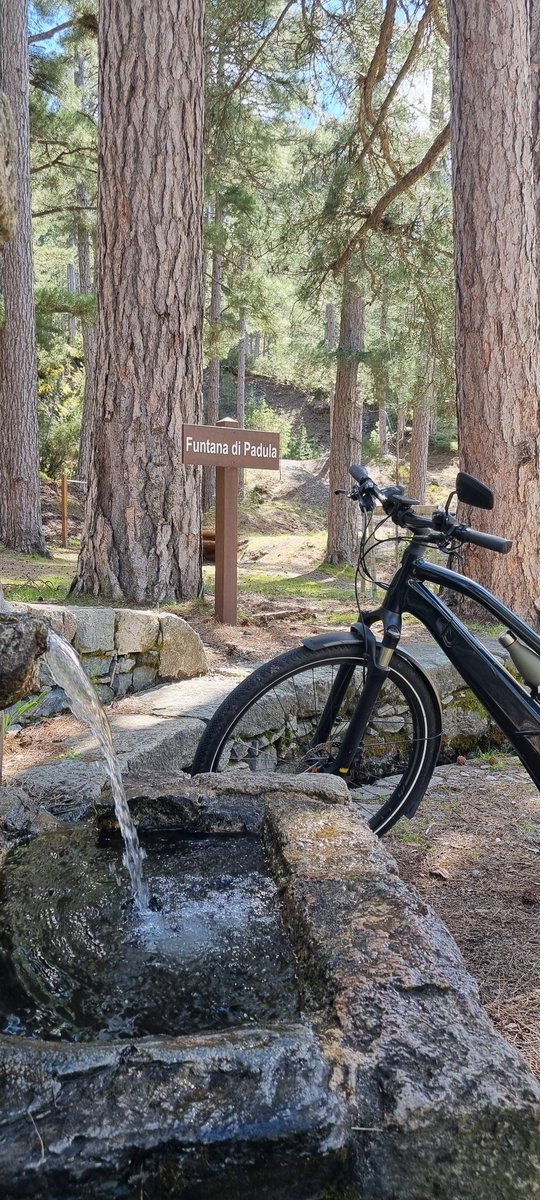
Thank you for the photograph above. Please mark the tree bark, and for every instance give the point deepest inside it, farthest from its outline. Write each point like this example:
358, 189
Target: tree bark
495, 263
330, 326
383, 415
142, 533
20, 509
534, 15
214, 365
346, 436
89, 345
420, 438
8, 188
241, 380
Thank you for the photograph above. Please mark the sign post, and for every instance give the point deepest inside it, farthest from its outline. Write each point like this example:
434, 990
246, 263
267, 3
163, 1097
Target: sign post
228, 447
226, 594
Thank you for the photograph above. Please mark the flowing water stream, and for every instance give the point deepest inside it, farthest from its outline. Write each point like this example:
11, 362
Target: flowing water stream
67, 671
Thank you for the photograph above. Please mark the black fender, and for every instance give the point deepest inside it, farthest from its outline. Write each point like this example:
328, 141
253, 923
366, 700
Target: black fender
361, 637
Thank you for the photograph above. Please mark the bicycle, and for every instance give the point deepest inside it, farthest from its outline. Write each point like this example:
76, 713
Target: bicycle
347, 703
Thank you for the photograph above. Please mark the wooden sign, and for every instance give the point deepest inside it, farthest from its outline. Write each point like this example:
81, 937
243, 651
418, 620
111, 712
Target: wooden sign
228, 446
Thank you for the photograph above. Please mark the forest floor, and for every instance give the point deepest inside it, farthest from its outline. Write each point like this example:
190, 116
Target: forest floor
473, 849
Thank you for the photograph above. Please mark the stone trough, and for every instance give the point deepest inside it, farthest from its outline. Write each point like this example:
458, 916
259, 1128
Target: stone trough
378, 1077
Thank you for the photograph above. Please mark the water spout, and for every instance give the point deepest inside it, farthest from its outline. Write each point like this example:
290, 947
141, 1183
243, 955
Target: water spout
67, 671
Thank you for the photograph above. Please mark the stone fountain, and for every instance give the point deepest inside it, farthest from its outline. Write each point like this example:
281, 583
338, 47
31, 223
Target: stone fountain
291, 1022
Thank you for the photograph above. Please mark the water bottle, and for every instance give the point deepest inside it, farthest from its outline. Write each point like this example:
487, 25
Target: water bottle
525, 659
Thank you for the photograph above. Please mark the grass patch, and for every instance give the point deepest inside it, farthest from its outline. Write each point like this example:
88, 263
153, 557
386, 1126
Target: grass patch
53, 590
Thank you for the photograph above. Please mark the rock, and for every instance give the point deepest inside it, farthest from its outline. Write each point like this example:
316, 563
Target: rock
55, 616
143, 677
54, 702
418, 1058
136, 630
124, 664
183, 699
121, 684
21, 815
174, 752
95, 630
68, 783
23, 639
181, 650
96, 666
104, 692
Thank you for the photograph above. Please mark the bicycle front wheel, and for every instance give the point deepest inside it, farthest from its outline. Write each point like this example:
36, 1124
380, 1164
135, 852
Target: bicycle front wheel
290, 715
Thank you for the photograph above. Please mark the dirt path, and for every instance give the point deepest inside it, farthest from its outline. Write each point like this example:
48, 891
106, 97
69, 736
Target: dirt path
473, 852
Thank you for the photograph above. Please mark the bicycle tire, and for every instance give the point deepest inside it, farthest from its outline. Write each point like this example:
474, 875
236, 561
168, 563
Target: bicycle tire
267, 738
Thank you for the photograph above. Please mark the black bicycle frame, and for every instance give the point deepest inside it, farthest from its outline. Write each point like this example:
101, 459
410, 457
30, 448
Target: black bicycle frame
511, 707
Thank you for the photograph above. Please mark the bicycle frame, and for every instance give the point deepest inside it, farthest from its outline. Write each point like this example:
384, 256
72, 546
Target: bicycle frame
511, 707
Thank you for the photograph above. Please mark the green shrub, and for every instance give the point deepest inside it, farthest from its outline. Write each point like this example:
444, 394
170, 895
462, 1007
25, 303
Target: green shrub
60, 397
259, 415
301, 445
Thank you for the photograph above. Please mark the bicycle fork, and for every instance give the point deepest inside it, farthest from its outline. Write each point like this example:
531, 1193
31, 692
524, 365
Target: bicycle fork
376, 674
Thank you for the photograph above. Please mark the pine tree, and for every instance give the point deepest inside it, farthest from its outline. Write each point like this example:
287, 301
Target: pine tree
20, 510
142, 537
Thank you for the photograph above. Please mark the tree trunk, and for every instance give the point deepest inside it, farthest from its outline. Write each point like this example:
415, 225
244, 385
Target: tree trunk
346, 438
72, 287
8, 169
214, 365
534, 13
20, 510
241, 380
330, 326
420, 438
383, 415
495, 262
142, 534
89, 344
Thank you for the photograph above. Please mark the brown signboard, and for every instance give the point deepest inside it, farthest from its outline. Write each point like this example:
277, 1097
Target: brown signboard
219, 446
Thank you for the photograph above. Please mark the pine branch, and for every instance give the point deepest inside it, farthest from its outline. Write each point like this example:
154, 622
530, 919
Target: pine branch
374, 219
49, 33
262, 46
86, 23
65, 208
53, 162
377, 67
401, 75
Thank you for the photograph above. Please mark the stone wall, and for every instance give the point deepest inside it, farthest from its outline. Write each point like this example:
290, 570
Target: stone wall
122, 650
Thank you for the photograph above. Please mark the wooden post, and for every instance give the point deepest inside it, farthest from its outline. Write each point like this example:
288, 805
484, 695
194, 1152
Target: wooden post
226, 539
64, 509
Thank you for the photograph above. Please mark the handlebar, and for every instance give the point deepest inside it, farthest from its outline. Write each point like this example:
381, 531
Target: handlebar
441, 528
489, 541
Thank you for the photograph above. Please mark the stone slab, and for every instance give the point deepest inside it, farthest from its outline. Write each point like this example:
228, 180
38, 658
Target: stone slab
187, 698
440, 1104
155, 1118
181, 652
433, 660
137, 630
95, 630
55, 616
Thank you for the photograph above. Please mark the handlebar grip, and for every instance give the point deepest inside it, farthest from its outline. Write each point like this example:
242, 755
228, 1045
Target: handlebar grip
488, 540
359, 473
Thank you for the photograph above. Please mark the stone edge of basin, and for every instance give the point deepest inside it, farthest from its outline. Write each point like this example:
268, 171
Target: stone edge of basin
395, 1082
23, 640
